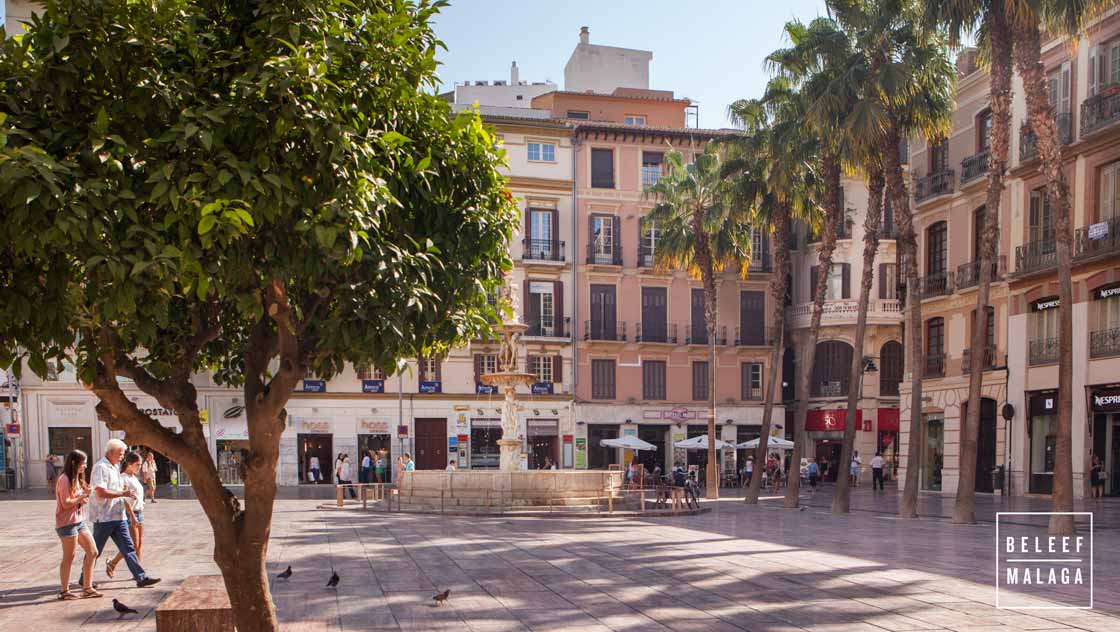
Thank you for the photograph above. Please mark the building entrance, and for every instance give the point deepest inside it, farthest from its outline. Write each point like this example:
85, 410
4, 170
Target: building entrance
658, 435
599, 457
431, 444
316, 465
382, 446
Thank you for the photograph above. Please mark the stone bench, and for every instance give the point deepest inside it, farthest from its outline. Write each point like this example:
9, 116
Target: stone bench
199, 603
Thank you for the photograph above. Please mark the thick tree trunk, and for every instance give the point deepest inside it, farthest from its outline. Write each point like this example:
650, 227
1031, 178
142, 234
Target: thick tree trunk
833, 216
964, 511
1041, 115
777, 337
711, 489
908, 252
841, 499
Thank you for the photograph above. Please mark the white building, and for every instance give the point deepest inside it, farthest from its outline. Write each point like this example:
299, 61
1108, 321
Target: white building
602, 69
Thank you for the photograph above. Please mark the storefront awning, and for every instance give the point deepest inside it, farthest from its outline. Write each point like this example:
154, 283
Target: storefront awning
829, 420
888, 419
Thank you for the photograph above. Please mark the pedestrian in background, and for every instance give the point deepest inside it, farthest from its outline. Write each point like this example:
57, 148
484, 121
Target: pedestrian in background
345, 473
854, 469
148, 475
379, 466
400, 469
409, 464
72, 493
52, 471
877, 471
134, 508
366, 468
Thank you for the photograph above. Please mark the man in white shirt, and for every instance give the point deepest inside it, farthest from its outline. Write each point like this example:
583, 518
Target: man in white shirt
107, 510
877, 471
364, 471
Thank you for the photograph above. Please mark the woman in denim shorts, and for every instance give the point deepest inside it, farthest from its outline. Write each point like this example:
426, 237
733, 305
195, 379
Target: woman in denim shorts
134, 507
72, 492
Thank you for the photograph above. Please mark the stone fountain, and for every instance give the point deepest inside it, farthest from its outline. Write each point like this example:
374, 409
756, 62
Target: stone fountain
508, 379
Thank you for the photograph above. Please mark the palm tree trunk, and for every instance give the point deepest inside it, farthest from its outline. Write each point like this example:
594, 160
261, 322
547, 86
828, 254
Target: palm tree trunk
908, 252
964, 511
841, 498
1041, 115
833, 216
711, 488
777, 329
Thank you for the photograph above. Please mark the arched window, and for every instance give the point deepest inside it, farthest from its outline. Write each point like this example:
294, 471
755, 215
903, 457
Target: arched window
890, 367
832, 369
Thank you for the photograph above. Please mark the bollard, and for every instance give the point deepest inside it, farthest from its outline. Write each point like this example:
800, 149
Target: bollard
642, 507
338, 493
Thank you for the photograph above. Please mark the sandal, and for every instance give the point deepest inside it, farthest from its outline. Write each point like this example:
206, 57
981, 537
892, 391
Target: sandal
66, 595
110, 568
90, 593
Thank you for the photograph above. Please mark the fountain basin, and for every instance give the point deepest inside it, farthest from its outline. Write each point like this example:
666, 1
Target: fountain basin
494, 488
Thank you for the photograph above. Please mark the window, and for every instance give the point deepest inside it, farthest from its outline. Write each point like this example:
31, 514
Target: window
890, 371
700, 381
888, 281
602, 379
1107, 313
635, 119
602, 168
1041, 218
838, 283
541, 366
1110, 189
1058, 82
935, 346
651, 167
752, 317
370, 373
540, 308
983, 131
1044, 322
648, 245
578, 114
653, 379
990, 338
936, 248
751, 380
832, 367
487, 363
429, 369
602, 238
542, 152
939, 158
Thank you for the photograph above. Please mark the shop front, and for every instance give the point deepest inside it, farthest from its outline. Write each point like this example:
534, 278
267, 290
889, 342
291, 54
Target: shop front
825, 429
1104, 404
887, 441
314, 452
484, 451
1042, 430
375, 440
745, 433
600, 457
658, 435
543, 443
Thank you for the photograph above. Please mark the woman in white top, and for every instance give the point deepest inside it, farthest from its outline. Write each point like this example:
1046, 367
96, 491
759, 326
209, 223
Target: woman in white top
134, 507
344, 474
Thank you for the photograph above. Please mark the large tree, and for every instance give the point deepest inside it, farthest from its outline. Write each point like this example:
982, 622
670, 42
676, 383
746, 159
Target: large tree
702, 231
249, 189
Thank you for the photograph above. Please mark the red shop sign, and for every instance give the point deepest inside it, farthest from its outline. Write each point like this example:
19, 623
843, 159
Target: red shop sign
830, 420
888, 419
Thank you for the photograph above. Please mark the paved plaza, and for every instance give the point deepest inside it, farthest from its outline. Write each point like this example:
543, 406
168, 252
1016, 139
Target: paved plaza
734, 568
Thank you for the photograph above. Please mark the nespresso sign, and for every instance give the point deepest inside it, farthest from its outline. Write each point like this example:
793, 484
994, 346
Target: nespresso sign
1105, 401
1107, 291
1045, 304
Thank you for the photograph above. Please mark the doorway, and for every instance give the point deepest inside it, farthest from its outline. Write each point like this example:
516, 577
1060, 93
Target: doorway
382, 446
985, 444
657, 435
599, 457
431, 443
314, 452
827, 456
933, 454
543, 436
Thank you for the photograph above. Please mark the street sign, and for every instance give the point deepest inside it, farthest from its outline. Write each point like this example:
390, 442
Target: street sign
12, 429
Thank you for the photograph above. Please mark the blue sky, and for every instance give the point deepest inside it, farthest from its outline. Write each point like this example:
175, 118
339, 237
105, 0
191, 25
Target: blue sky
711, 51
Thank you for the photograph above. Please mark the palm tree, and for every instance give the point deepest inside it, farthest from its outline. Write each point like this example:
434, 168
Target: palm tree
700, 230
773, 163
988, 18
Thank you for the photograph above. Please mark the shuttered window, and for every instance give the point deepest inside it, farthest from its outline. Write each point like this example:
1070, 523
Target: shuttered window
751, 380
937, 248
602, 379
699, 381
602, 168
831, 368
752, 317
888, 281
653, 379
890, 371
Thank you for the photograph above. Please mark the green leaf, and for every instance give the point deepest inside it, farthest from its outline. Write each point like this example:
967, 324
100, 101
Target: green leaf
395, 139
244, 215
207, 138
203, 288
206, 224
60, 42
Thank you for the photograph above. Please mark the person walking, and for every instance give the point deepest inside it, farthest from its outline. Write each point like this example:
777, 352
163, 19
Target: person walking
108, 510
877, 472
1096, 477
134, 507
148, 471
313, 473
853, 470
344, 474
72, 493
52, 471
748, 471
451, 466
814, 474
409, 464
366, 469
400, 470
378, 467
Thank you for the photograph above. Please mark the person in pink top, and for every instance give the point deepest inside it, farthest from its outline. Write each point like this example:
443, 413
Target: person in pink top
72, 493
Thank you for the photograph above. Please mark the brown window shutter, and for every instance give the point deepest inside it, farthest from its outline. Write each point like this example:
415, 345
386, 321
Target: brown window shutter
477, 369
529, 358
846, 272
558, 369
558, 306
439, 370
617, 251
555, 233
422, 371
528, 234
882, 281
812, 283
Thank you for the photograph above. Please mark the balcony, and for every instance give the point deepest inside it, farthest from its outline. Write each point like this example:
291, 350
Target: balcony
1035, 256
542, 250
646, 258
698, 335
760, 262
934, 184
750, 338
598, 255
935, 365
1104, 343
549, 329
1100, 110
656, 332
595, 330
1028, 141
844, 312
968, 274
989, 360
830, 388
1097, 239
650, 174
974, 167
936, 284
1043, 351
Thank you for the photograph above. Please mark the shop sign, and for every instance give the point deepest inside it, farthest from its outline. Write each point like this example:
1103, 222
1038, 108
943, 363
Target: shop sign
233, 412
68, 410
314, 386
452, 443
464, 438
319, 427
431, 387
461, 423
231, 432
369, 426
12, 429
485, 389
630, 432
402, 430
1107, 291
677, 414
1106, 401
542, 388
1044, 304
830, 420
1098, 231
581, 453
373, 386
204, 417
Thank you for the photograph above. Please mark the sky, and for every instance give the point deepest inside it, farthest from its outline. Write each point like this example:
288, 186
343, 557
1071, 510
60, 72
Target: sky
711, 51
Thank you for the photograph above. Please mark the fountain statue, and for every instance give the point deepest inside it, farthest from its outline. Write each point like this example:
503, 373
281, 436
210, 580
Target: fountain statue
508, 378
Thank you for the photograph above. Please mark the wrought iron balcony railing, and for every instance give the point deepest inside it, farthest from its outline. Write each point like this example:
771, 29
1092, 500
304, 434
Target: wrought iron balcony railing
593, 330
1096, 239
1043, 351
542, 250
829, 388
974, 166
1100, 110
597, 255
1036, 255
1028, 141
698, 335
656, 332
646, 258
968, 274
936, 284
549, 328
760, 262
935, 365
750, 338
989, 360
1104, 343
934, 184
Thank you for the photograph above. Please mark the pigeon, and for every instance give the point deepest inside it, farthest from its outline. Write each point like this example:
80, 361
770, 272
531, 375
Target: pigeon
333, 581
122, 609
442, 597
286, 574
803, 509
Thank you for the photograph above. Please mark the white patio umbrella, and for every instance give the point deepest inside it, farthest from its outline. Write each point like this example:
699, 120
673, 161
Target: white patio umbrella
628, 442
701, 443
773, 442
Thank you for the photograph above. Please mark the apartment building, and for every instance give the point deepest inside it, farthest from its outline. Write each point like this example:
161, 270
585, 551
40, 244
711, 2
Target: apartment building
1019, 410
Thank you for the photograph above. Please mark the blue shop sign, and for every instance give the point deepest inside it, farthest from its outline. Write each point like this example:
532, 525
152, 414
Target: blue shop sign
453, 442
485, 389
314, 386
431, 387
542, 388
373, 386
